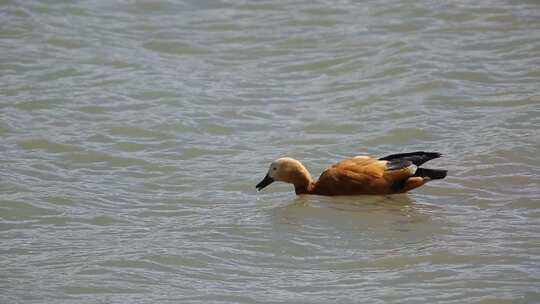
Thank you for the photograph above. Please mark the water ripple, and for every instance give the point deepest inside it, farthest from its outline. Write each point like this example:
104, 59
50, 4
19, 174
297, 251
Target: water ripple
133, 134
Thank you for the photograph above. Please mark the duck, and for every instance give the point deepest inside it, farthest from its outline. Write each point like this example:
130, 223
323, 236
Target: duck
360, 175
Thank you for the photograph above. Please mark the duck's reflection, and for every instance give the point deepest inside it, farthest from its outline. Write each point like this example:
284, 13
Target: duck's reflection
354, 212
358, 203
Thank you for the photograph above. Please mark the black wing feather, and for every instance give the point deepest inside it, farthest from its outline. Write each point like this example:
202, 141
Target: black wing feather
417, 158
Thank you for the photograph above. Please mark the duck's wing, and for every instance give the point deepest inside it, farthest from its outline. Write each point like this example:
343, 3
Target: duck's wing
417, 158
376, 168
363, 175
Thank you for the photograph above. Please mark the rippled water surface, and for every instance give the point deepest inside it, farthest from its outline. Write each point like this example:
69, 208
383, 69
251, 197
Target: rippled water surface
132, 134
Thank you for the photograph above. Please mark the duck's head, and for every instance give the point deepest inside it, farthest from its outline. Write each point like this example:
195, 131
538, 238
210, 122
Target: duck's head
286, 170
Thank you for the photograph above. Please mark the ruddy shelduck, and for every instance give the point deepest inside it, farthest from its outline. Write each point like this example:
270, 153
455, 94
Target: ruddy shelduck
396, 173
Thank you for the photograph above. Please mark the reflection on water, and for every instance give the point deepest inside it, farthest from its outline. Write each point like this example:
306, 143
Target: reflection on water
397, 213
132, 135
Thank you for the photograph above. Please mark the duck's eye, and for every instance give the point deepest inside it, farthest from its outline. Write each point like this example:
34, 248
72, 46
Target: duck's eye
274, 168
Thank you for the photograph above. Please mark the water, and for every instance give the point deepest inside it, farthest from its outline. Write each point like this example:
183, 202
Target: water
132, 134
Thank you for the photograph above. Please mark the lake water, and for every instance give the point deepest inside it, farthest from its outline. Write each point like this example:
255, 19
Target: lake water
132, 134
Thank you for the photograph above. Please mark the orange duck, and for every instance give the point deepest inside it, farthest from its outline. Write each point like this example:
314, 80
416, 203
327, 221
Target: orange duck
396, 173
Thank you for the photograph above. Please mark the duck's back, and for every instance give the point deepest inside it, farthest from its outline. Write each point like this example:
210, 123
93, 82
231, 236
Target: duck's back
358, 175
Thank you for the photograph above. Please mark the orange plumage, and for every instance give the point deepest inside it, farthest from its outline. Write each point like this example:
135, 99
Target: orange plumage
396, 173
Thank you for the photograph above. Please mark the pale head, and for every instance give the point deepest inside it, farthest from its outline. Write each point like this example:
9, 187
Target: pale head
286, 170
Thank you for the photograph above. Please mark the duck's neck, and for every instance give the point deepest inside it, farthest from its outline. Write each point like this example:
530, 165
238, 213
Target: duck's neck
303, 183
304, 188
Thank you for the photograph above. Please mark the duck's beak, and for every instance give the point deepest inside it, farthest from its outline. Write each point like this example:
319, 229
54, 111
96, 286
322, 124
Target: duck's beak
265, 182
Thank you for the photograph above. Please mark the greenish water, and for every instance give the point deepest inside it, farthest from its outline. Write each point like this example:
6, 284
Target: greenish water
132, 134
